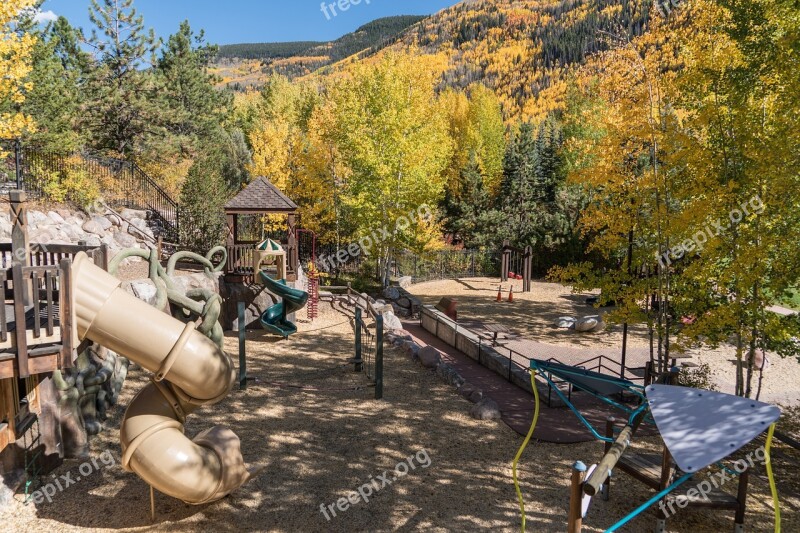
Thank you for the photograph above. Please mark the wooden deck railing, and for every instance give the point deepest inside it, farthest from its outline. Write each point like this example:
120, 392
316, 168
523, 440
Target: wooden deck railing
53, 254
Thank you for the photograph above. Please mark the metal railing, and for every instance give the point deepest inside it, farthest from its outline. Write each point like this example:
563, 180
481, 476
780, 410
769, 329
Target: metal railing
516, 361
124, 183
447, 264
368, 343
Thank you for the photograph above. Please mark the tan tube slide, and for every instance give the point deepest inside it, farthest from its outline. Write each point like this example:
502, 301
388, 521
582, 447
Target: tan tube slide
189, 371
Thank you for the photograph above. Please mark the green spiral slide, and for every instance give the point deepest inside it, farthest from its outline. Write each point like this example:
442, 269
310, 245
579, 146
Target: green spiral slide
274, 319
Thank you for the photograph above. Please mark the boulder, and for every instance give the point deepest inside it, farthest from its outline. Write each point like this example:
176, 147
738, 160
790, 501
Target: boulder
5, 228
143, 289
429, 357
486, 409
586, 324
37, 218
125, 240
405, 282
55, 217
103, 222
392, 293
449, 375
390, 321
139, 223
133, 213
565, 322
75, 233
200, 280
94, 227
93, 241
476, 396
466, 390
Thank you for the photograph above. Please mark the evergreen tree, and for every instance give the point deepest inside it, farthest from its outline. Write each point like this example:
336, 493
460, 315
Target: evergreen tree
196, 105
468, 219
203, 198
55, 97
122, 112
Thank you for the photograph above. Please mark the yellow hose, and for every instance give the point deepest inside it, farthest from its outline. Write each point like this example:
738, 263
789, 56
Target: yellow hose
522, 449
771, 477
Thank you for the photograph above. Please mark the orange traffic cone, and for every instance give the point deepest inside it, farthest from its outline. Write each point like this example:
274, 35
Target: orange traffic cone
511, 294
500, 293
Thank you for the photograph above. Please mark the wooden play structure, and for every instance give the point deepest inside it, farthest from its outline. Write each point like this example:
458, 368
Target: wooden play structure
37, 338
257, 201
517, 262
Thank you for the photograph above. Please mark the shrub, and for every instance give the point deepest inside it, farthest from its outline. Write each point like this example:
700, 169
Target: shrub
697, 378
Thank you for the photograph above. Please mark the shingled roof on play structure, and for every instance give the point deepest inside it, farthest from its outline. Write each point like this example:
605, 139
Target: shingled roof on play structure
261, 196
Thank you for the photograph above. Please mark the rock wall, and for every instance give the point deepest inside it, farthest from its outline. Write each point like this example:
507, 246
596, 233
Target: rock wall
64, 226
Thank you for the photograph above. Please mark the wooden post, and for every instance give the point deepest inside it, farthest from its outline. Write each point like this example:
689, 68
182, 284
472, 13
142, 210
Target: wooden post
20, 332
527, 270
505, 263
68, 338
575, 522
292, 258
242, 352
612, 457
20, 245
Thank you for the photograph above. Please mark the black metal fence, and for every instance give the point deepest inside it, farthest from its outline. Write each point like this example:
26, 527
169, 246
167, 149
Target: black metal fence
447, 264
123, 183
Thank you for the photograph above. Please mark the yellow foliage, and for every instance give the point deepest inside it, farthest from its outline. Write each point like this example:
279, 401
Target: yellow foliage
15, 65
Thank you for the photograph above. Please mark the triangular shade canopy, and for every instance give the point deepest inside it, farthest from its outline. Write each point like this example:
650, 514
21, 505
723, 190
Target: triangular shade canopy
701, 427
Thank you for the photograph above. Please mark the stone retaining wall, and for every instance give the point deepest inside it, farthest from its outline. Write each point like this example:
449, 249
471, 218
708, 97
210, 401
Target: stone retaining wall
470, 344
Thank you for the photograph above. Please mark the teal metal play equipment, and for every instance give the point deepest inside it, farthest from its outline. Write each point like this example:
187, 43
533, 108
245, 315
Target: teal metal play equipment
699, 428
274, 319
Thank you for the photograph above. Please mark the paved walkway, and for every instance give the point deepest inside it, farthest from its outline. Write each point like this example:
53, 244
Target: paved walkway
557, 424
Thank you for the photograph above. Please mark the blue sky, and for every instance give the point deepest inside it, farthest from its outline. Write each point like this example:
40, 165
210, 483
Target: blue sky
248, 21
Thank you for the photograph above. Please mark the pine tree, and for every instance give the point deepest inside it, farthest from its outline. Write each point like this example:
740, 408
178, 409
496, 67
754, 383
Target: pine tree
203, 198
55, 98
122, 113
196, 106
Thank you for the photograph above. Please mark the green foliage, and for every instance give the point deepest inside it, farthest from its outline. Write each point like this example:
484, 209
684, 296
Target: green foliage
700, 377
71, 182
122, 112
195, 107
294, 59
203, 198
55, 98
264, 50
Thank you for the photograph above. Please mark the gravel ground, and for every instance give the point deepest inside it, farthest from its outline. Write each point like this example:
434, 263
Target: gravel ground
532, 315
315, 428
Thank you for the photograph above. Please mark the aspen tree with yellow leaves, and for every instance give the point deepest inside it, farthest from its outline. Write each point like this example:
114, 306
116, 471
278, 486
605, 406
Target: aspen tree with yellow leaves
15, 65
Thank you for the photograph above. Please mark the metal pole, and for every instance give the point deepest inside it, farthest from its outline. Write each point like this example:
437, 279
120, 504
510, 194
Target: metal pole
242, 352
379, 357
18, 163
625, 325
359, 362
